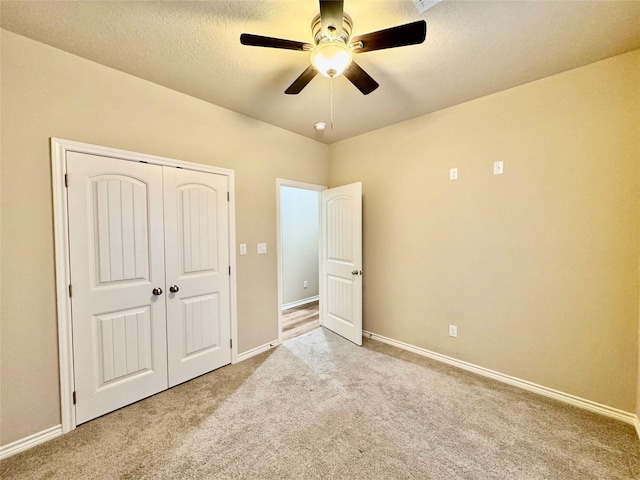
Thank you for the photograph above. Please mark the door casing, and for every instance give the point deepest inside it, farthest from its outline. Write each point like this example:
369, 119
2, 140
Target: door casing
59, 149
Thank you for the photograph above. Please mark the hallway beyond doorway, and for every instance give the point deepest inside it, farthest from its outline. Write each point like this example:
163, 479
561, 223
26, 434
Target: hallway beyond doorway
300, 320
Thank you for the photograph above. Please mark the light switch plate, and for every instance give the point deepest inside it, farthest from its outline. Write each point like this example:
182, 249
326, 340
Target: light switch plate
243, 249
262, 248
498, 167
453, 174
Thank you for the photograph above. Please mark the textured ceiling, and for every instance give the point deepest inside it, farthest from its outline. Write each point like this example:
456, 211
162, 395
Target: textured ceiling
473, 48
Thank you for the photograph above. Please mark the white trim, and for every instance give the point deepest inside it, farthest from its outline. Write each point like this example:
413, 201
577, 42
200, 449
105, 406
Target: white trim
637, 425
514, 381
59, 149
299, 303
30, 441
281, 182
71, 146
233, 285
257, 351
63, 275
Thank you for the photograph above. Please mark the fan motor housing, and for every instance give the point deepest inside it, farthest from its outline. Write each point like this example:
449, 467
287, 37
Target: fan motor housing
321, 36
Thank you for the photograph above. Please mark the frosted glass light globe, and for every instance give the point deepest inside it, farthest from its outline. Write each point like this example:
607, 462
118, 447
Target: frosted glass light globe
331, 58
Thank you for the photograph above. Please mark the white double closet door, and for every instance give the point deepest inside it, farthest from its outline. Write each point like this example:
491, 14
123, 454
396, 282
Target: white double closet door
149, 261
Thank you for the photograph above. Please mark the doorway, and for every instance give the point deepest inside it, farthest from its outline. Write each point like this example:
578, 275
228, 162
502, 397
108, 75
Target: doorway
299, 236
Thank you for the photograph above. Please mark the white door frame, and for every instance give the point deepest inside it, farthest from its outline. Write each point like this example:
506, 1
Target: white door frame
59, 149
281, 182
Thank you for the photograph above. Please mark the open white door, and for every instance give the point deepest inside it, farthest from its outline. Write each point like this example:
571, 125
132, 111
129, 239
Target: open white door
341, 297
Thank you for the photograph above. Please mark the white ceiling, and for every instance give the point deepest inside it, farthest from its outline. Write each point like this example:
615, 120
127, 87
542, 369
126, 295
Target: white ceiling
473, 48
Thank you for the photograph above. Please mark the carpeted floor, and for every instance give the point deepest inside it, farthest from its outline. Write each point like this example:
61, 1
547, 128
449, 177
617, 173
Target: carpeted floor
319, 407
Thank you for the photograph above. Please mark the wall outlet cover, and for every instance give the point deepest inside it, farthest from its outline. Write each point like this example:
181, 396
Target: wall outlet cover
262, 248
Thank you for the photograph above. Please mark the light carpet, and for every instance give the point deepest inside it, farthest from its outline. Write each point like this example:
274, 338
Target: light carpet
320, 407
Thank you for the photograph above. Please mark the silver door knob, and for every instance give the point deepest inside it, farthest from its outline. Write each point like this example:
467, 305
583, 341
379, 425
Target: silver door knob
157, 291
174, 289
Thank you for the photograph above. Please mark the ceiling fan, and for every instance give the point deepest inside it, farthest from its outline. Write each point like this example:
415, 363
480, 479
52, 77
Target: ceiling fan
333, 48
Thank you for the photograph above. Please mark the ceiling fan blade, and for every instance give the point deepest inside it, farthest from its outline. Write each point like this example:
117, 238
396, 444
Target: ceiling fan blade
361, 79
408, 34
331, 13
260, 41
302, 81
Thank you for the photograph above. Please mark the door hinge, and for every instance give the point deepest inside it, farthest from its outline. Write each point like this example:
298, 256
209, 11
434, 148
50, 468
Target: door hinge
70, 291
231, 343
228, 198
229, 269
66, 180
74, 397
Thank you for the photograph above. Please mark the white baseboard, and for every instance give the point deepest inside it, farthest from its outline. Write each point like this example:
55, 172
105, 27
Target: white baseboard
637, 425
606, 410
256, 351
298, 303
30, 441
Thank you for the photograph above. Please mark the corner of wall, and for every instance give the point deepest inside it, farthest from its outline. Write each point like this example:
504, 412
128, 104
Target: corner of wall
638, 372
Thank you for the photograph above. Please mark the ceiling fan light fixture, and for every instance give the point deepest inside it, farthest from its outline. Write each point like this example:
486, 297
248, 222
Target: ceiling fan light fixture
331, 58
333, 46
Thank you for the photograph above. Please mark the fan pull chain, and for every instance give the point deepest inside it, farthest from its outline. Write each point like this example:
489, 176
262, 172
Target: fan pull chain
331, 102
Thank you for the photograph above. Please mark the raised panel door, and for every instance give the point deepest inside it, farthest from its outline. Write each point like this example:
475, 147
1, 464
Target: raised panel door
116, 236
341, 305
198, 311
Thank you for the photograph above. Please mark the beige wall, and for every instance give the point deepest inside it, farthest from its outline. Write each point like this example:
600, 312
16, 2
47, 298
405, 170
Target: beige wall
48, 93
538, 267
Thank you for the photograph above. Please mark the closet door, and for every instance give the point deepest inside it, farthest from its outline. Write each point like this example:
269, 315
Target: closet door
116, 236
197, 273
